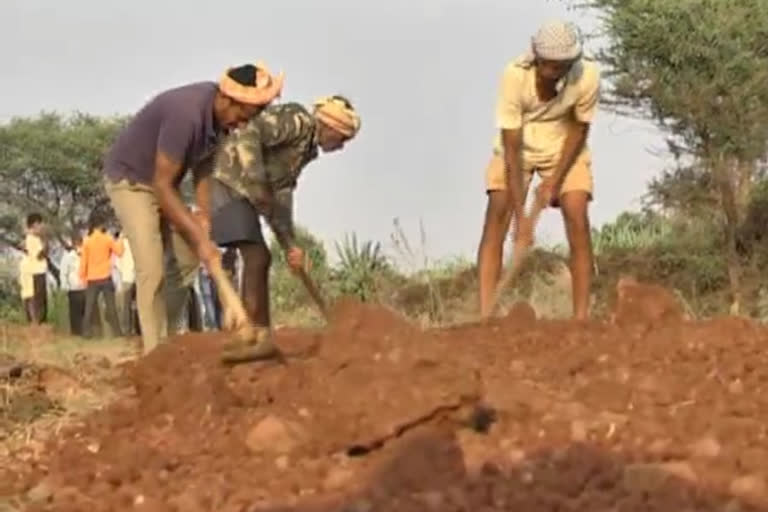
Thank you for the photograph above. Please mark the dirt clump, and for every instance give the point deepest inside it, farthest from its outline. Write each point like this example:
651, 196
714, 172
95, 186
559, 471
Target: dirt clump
374, 414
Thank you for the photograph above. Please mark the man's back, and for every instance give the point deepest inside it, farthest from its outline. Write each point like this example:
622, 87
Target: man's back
96, 259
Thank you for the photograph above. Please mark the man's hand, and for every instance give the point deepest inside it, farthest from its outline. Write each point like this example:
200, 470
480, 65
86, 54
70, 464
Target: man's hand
204, 220
296, 259
207, 252
548, 192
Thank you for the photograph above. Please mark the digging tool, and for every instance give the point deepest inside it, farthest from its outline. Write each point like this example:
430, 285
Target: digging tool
306, 280
519, 254
234, 311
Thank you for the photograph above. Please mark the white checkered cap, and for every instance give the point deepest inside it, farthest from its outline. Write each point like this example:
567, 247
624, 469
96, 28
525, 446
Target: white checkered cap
557, 40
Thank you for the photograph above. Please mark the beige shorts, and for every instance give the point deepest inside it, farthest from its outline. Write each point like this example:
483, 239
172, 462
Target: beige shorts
579, 178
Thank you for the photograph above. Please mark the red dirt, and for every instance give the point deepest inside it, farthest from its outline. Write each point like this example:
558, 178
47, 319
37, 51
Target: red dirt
372, 414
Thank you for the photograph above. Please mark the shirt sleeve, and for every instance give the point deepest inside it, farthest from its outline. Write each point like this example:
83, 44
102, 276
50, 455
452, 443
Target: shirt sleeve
175, 137
509, 111
281, 220
586, 106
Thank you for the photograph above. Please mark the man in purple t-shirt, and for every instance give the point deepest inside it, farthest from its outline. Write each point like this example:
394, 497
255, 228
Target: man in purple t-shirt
144, 168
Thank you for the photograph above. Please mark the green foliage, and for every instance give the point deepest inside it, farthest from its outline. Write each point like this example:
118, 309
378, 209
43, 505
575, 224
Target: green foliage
360, 268
696, 67
631, 231
53, 165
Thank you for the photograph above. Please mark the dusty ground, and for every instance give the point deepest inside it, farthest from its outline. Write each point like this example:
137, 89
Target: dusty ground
646, 412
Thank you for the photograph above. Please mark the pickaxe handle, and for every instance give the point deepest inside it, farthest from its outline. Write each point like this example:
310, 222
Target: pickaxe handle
519, 254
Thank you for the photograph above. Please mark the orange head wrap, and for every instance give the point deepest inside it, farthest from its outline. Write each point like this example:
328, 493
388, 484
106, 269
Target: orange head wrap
265, 88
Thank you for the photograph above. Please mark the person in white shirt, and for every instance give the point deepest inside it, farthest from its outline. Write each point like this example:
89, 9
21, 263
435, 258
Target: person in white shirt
73, 285
126, 287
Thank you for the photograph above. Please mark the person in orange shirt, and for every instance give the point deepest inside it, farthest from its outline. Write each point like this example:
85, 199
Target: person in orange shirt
96, 270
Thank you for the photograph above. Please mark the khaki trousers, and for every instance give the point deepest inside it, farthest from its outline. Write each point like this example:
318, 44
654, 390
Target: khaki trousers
163, 276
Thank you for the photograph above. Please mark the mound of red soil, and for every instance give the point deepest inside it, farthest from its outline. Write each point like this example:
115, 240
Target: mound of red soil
371, 414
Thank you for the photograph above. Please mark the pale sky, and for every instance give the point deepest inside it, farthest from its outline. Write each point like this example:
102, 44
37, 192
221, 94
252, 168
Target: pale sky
422, 73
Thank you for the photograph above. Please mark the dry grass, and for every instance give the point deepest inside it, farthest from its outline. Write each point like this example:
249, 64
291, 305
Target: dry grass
63, 379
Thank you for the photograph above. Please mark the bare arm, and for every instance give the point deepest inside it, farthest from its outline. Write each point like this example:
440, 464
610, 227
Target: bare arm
509, 119
163, 183
512, 142
578, 129
201, 177
572, 147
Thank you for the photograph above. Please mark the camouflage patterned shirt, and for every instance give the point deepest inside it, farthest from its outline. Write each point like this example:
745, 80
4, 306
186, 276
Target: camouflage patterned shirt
265, 158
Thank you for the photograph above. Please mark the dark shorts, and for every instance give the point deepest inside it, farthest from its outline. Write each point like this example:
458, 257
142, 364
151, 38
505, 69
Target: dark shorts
234, 220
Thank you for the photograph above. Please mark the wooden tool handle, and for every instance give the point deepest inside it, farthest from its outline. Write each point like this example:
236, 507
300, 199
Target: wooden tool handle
306, 280
230, 300
519, 254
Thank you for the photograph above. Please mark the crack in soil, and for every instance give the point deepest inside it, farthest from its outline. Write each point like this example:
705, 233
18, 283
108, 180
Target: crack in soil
468, 413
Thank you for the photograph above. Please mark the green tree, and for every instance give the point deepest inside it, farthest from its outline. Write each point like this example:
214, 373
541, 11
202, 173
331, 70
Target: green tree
53, 165
697, 69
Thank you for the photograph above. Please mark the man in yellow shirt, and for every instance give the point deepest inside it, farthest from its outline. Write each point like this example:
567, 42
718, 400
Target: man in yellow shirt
27, 285
37, 251
547, 99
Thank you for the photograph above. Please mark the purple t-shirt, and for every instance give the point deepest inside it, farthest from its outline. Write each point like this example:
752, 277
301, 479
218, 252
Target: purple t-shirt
178, 122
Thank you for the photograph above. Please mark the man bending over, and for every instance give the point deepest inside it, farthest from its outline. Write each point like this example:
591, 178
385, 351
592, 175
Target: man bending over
547, 100
254, 172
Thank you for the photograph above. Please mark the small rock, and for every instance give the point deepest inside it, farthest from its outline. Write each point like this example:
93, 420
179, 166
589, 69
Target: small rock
272, 435
304, 413
395, 355
749, 487
579, 432
516, 456
659, 446
359, 506
644, 478
706, 448
527, 478
93, 447
517, 367
337, 478
681, 470
40, 493
736, 387
282, 462
433, 500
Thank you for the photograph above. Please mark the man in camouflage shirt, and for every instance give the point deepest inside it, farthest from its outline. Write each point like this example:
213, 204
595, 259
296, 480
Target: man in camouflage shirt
254, 171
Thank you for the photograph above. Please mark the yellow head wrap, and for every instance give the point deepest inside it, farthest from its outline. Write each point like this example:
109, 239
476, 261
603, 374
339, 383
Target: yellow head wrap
339, 114
267, 87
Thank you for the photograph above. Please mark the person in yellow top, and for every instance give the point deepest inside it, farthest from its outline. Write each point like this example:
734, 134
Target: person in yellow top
37, 250
96, 270
547, 100
27, 285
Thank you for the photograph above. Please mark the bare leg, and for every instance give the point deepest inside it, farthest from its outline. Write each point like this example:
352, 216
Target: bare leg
490, 252
256, 263
574, 205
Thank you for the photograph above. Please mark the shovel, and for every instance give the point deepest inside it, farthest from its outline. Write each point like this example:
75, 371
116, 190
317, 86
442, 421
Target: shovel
519, 254
235, 316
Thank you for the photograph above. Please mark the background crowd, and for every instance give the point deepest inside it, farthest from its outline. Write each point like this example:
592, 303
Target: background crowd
96, 271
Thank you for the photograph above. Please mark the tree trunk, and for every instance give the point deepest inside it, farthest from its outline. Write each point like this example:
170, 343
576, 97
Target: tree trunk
734, 181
